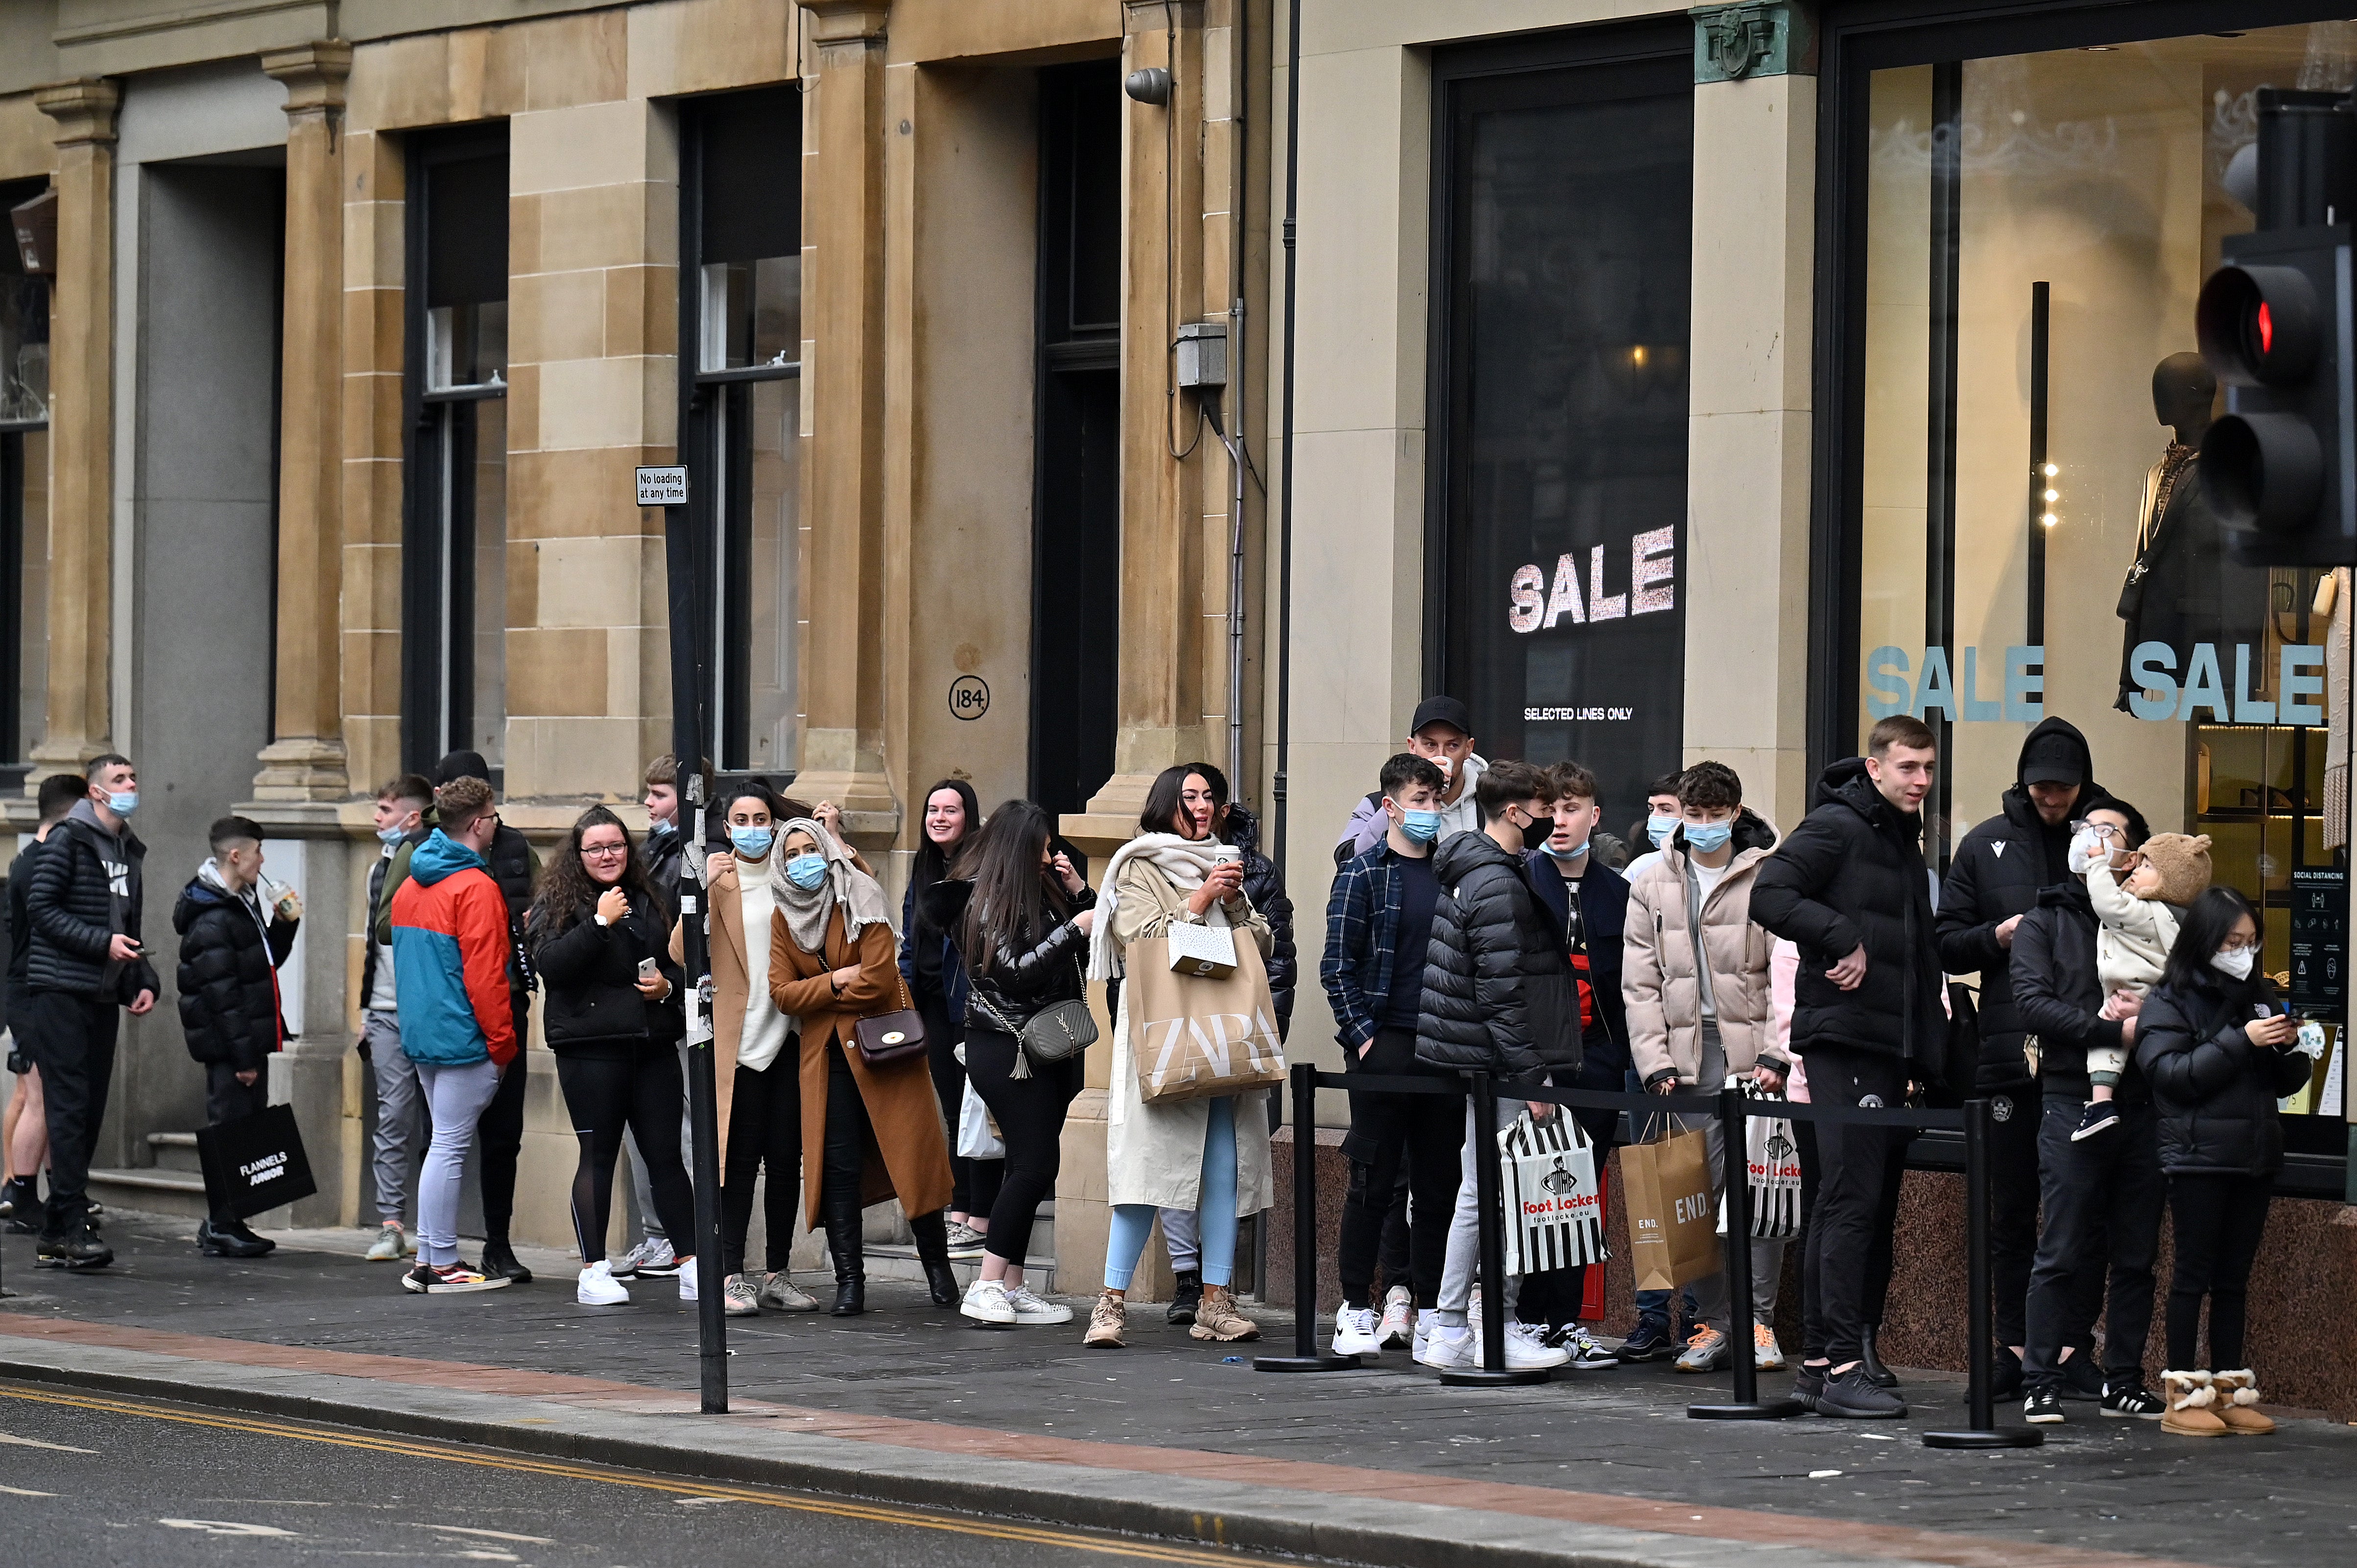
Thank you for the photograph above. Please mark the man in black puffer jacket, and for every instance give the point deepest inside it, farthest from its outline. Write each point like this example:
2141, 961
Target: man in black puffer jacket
1850, 888
1993, 880
1498, 998
231, 947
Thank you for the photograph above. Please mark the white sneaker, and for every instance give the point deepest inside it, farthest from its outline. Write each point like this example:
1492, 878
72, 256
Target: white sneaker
736, 1297
1585, 1354
1766, 1354
1399, 1318
597, 1287
391, 1245
687, 1281
651, 1256
1446, 1346
1526, 1347
986, 1302
1354, 1331
1032, 1311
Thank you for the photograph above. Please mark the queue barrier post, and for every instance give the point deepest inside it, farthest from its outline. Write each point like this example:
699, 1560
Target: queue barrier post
1984, 1432
1492, 1372
1306, 1357
1734, 1174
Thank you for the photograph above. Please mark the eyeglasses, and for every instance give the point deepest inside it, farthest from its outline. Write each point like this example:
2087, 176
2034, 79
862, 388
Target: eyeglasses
603, 851
2099, 830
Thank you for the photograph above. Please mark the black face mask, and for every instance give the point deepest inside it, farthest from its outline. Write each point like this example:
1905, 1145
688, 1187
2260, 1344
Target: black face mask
1538, 832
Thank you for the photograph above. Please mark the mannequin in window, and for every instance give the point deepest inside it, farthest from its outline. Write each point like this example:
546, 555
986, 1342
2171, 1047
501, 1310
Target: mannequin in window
2184, 588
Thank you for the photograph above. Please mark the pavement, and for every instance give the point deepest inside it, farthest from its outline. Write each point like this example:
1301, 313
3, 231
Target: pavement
1170, 1439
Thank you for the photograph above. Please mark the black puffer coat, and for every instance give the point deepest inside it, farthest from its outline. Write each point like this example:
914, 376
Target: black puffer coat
228, 975
594, 1007
2213, 1092
84, 892
1994, 875
1026, 977
1498, 994
2059, 996
1853, 873
666, 854
1265, 885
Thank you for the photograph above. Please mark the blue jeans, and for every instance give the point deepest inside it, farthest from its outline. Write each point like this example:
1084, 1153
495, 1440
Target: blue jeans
1216, 1212
1654, 1306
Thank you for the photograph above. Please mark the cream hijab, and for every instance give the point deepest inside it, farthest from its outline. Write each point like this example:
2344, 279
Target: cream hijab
859, 895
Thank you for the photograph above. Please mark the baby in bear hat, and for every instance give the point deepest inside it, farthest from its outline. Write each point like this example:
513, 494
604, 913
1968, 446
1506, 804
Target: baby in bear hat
2137, 920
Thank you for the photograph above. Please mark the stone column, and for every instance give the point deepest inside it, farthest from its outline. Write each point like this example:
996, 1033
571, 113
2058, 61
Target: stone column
81, 425
843, 420
305, 759
1747, 567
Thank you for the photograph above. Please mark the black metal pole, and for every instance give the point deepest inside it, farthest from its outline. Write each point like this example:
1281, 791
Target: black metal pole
1984, 1431
1491, 1229
1734, 1172
1306, 1356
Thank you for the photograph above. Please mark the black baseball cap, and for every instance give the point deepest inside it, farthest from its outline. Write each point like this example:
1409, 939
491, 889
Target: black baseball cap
1441, 711
2053, 759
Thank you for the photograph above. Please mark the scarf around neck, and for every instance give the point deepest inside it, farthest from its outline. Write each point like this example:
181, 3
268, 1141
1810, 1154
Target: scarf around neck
1184, 862
858, 894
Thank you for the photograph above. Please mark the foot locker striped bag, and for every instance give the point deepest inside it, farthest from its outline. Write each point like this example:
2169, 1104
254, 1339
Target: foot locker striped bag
1773, 1162
1554, 1209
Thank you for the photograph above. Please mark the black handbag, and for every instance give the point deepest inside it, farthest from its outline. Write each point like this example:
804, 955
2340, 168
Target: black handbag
254, 1162
891, 1037
1956, 1075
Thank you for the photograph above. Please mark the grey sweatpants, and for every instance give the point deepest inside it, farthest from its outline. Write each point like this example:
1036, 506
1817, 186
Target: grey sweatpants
399, 1114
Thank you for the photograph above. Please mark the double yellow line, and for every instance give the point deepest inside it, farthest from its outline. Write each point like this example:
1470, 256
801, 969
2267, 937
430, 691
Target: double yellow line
1032, 1535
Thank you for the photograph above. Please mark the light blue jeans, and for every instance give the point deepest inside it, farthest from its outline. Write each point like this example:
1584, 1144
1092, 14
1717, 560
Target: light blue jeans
454, 1098
1215, 1210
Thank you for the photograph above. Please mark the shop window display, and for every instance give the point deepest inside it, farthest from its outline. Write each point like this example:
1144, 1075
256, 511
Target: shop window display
2033, 535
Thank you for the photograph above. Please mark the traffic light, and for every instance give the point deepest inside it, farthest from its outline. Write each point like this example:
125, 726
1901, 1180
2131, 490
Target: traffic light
2279, 468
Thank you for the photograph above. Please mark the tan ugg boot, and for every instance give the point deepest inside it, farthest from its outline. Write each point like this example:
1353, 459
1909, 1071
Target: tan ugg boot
2189, 1396
1217, 1318
2238, 1399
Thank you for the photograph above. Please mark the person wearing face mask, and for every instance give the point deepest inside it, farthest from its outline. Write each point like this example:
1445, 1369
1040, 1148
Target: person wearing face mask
1661, 820
1498, 998
1441, 731
401, 808
2219, 1049
833, 963
1699, 1011
233, 939
937, 979
86, 961
1378, 929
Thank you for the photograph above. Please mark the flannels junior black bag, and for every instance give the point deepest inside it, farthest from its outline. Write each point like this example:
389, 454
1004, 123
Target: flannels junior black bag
254, 1163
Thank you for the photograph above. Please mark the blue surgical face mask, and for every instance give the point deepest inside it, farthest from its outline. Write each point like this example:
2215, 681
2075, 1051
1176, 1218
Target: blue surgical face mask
1577, 852
122, 803
1419, 827
392, 836
753, 844
1708, 838
806, 871
1659, 828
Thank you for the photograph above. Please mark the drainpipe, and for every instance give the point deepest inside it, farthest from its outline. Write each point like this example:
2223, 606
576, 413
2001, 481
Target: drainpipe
1285, 492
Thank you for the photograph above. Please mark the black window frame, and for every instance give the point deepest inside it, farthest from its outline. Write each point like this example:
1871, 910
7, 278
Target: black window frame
17, 746
438, 597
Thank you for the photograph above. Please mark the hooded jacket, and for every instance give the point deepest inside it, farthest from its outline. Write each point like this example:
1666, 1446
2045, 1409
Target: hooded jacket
2059, 995
2213, 1092
1852, 873
1663, 980
513, 866
85, 890
231, 949
594, 1007
1994, 875
1368, 823
450, 953
1265, 885
1498, 994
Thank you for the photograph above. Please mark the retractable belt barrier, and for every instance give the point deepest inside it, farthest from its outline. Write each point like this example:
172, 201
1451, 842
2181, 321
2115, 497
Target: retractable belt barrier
1731, 1107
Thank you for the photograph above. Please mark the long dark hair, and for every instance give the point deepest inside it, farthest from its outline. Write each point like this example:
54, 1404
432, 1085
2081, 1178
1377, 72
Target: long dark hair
932, 862
1015, 898
2209, 920
1166, 799
567, 892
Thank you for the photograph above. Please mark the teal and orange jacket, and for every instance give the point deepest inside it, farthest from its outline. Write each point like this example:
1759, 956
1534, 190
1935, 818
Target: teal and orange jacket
450, 959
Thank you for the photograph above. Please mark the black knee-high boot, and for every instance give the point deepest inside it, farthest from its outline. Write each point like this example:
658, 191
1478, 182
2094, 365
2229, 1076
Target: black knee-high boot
840, 1208
932, 1233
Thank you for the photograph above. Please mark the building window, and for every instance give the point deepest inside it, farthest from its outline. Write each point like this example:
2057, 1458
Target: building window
455, 542
24, 489
1563, 242
2028, 532
740, 244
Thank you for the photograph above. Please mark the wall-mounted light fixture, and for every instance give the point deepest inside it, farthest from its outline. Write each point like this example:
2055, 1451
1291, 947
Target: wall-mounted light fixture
1151, 84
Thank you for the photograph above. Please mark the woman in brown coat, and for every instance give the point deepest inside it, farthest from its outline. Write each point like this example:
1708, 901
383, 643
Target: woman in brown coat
835, 961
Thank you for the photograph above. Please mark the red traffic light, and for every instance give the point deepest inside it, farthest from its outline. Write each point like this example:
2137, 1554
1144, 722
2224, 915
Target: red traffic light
2258, 326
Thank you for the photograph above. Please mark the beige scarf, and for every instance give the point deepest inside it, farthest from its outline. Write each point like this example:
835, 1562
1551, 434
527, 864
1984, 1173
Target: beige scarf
806, 909
1185, 862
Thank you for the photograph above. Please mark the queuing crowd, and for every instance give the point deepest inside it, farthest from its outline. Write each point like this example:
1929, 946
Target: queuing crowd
1480, 921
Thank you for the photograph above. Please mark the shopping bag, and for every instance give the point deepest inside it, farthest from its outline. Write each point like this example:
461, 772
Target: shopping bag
1555, 1210
1194, 1037
1672, 1231
1773, 1171
977, 1136
254, 1163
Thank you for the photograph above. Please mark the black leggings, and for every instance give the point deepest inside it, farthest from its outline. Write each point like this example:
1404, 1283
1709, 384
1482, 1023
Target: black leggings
2217, 1221
605, 1095
848, 1133
765, 1128
973, 1184
1031, 1115
500, 1138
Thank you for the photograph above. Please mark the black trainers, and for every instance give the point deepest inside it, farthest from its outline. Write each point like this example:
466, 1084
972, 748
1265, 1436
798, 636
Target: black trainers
2042, 1406
1185, 1297
500, 1264
2082, 1378
2128, 1397
1808, 1383
2098, 1115
82, 1249
230, 1241
1853, 1395
1651, 1342
2005, 1375
20, 1204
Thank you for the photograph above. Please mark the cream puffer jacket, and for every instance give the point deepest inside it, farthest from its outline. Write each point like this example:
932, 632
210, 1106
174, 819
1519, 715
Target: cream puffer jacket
1658, 977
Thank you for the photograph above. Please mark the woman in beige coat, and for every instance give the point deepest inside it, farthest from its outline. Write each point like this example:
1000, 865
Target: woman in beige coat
1207, 1156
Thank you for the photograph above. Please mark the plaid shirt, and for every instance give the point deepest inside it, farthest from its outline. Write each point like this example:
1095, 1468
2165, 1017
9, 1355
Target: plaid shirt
1361, 930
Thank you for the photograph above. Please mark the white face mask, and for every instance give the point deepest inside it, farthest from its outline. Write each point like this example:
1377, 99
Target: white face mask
2232, 961
2087, 852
